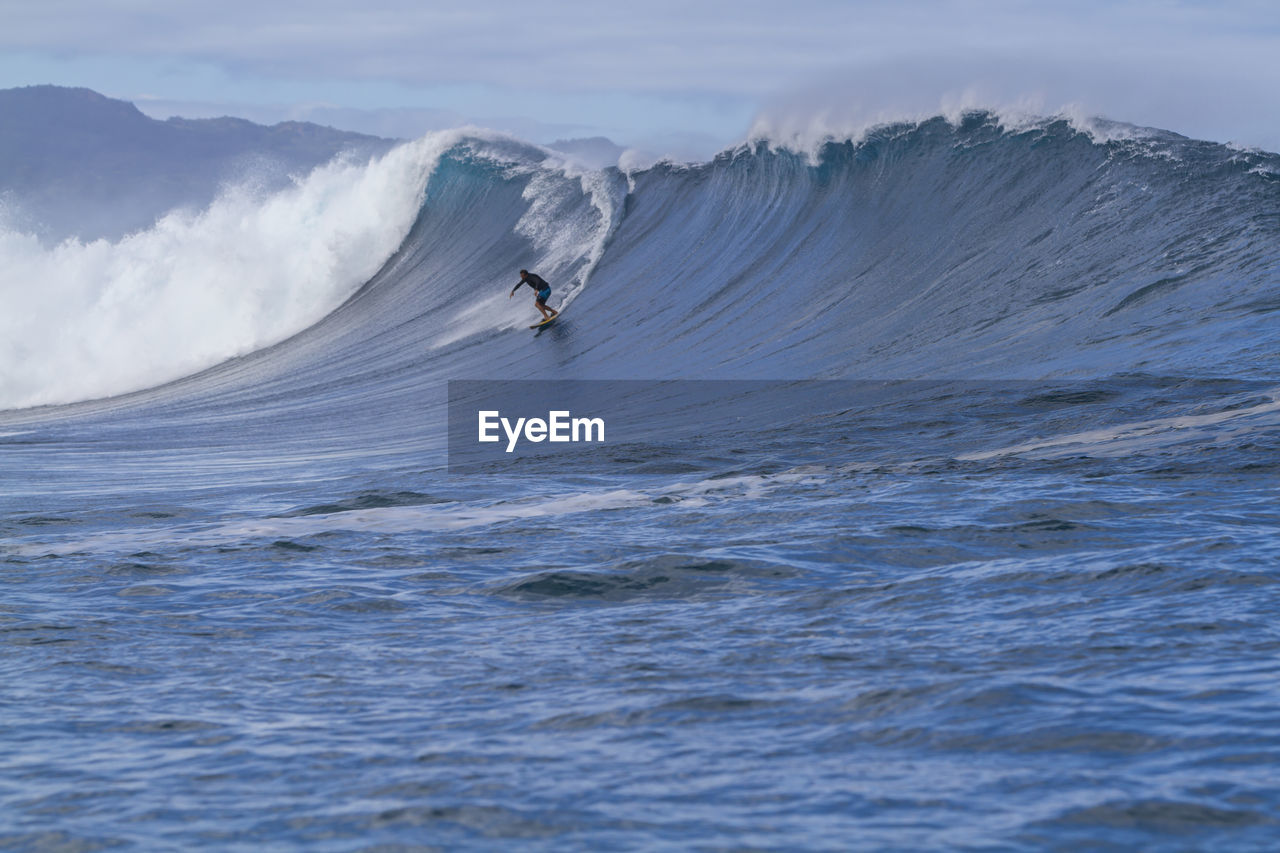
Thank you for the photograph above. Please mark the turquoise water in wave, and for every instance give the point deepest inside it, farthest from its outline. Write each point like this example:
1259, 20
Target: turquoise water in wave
253, 609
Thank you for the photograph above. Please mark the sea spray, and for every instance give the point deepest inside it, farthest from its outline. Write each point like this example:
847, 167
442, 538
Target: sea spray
101, 319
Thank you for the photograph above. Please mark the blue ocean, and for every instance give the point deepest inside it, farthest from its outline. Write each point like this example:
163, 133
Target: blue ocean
950, 520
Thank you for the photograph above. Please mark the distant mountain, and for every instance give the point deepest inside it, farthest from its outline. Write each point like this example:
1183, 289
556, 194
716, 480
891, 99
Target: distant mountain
76, 163
595, 151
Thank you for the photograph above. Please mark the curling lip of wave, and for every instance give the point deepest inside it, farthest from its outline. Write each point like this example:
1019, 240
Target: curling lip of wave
199, 288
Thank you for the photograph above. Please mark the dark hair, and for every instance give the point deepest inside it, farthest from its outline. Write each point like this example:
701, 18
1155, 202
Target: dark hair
524, 272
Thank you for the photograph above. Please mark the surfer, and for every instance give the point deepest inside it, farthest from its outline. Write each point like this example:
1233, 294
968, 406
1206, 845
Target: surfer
540, 287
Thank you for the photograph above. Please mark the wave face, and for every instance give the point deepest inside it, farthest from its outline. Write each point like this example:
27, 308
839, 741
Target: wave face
921, 250
931, 250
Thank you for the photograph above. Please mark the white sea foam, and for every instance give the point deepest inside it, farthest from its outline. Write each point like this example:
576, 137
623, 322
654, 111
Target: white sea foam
573, 211
564, 238
81, 321
1138, 436
429, 517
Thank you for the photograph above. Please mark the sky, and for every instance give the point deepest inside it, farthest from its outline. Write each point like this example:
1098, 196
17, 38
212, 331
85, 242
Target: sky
682, 77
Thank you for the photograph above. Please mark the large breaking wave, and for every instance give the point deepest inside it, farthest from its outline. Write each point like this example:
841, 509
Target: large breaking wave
959, 248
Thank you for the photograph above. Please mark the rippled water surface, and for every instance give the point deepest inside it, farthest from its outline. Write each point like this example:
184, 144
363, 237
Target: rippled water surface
989, 653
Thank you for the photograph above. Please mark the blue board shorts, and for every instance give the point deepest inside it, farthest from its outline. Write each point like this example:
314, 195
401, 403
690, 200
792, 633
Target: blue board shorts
544, 294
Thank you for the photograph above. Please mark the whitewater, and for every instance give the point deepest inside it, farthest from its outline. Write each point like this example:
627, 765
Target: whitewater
945, 515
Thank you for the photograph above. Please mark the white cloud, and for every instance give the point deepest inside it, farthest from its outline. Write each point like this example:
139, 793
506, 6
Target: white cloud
740, 46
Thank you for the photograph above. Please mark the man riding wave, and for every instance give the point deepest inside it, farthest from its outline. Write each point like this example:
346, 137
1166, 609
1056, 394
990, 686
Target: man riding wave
540, 288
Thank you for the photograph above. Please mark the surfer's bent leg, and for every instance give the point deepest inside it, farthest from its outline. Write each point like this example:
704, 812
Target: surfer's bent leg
541, 303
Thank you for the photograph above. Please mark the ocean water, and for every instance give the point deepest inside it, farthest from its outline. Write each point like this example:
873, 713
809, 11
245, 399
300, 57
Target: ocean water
970, 544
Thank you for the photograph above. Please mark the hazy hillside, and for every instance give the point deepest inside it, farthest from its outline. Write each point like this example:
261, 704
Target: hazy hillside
74, 162
595, 151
